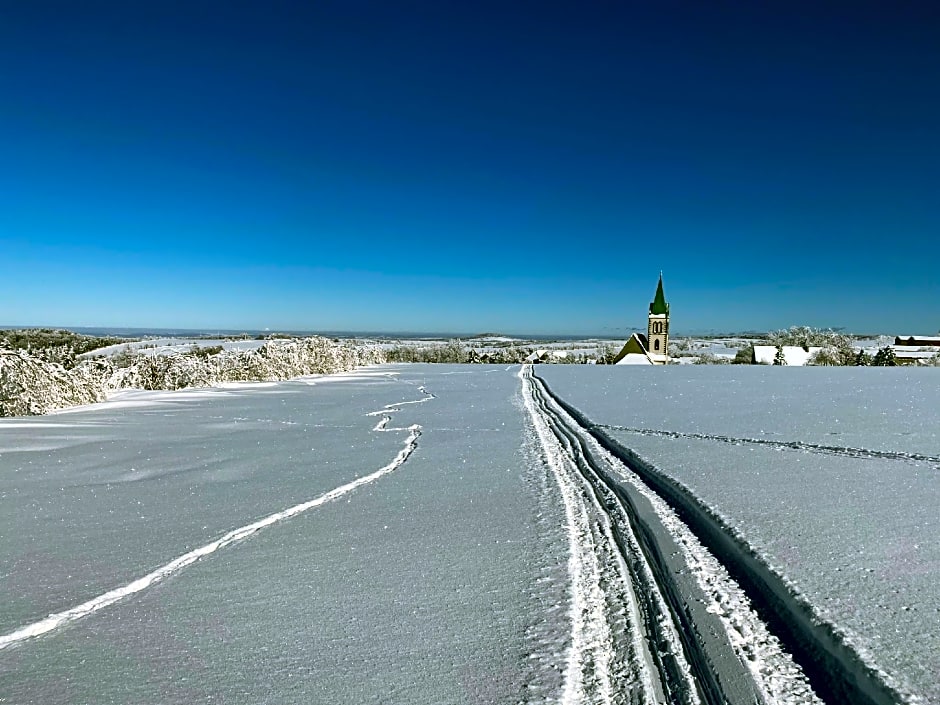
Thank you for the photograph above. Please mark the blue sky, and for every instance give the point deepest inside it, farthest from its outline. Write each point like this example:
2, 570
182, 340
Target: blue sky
516, 166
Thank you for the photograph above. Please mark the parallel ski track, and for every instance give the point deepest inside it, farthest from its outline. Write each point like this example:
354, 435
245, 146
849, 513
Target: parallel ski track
59, 619
837, 673
677, 660
846, 451
617, 645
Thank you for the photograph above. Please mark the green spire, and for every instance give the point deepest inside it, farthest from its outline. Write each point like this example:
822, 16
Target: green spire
659, 305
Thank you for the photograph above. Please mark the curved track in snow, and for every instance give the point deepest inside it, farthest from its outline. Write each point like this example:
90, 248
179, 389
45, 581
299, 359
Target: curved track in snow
655, 617
59, 619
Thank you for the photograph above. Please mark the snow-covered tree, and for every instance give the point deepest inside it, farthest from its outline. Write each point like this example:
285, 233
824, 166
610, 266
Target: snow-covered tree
805, 336
744, 356
837, 348
779, 357
885, 357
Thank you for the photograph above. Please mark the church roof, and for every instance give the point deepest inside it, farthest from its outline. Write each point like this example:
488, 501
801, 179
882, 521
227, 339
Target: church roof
634, 359
638, 345
659, 305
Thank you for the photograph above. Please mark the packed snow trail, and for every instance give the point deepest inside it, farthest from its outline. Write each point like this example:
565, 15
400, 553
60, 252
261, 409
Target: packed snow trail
654, 617
59, 619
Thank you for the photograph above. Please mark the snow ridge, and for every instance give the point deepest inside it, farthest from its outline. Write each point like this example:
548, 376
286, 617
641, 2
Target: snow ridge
59, 619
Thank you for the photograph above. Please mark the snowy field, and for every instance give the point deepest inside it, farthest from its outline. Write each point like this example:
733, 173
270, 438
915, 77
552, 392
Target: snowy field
427, 584
832, 475
451, 534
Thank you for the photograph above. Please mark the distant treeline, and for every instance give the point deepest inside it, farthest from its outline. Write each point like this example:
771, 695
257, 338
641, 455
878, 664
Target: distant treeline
54, 344
456, 352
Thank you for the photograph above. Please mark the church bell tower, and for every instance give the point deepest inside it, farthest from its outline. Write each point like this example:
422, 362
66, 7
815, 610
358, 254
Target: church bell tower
658, 330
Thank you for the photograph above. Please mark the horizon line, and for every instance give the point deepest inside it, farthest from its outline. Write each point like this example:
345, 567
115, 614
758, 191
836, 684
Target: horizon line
209, 331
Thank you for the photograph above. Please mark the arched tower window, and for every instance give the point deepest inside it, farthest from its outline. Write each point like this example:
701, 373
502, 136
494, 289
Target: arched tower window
656, 344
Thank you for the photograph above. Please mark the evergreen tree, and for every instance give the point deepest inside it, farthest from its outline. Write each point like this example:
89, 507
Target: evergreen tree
885, 357
779, 358
744, 356
862, 359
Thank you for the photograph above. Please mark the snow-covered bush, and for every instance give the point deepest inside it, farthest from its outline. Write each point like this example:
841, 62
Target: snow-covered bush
744, 356
831, 355
709, 358
29, 385
452, 351
455, 351
837, 348
275, 360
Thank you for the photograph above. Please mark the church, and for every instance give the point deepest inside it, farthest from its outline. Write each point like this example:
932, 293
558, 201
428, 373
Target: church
652, 348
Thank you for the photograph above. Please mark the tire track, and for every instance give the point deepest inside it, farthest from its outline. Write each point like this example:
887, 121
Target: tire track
589, 675
846, 451
837, 673
704, 643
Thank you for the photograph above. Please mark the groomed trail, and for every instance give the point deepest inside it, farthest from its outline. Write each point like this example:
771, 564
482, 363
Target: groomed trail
655, 616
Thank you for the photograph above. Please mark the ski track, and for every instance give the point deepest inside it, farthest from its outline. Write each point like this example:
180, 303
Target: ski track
59, 619
774, 674
587, 674
783, 445
392, 408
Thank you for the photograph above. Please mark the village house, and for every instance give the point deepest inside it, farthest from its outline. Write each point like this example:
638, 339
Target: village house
915, 349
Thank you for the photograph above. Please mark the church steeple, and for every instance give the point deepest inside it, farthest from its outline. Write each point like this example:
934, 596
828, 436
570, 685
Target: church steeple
659, 305
658, 330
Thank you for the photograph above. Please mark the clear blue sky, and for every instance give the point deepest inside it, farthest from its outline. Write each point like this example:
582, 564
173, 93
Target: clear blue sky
473, 166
